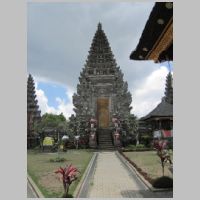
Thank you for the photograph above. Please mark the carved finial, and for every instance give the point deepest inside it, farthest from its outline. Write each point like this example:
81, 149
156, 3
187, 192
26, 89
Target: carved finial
99, 26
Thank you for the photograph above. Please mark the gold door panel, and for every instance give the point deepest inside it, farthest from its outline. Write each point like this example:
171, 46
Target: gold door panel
103, 112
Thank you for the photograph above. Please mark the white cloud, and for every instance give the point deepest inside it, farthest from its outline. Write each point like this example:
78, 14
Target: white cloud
147, 96
63, 107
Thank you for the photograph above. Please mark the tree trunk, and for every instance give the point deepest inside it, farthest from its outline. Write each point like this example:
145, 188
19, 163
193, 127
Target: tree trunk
163, 168
66, 189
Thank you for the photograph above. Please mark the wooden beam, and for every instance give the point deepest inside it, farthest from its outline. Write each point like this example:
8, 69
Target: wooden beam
163, 42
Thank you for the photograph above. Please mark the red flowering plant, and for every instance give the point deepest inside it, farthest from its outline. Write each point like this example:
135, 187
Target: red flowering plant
68, 175
162, 152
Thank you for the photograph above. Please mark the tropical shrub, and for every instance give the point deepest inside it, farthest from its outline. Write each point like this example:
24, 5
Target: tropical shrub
162, 152
163, 182
146, 139
57, 159
68, 175
140, 146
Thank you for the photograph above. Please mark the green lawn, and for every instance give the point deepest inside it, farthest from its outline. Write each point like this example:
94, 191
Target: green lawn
42, 170
149, 162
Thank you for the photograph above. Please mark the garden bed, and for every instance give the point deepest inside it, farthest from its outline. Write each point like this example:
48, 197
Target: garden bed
137, 150
139, 147
147, 163
42, 170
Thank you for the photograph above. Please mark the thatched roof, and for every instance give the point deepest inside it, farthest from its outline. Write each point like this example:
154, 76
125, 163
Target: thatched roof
162, 110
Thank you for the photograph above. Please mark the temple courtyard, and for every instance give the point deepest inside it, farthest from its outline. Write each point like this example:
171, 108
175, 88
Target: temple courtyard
103, 174
108, 144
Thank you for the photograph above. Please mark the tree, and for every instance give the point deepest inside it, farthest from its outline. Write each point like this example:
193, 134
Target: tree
132, 124
169, 89
53, 122
72, 125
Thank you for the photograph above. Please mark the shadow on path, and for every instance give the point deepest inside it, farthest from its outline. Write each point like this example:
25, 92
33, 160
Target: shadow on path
146, 194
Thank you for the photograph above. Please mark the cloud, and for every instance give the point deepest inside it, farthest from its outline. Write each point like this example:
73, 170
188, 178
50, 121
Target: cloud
60, 35
148, 95
59, 38
63, 107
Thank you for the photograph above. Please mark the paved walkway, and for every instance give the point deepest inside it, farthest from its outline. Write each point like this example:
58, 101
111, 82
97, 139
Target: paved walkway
30, 192
112, 179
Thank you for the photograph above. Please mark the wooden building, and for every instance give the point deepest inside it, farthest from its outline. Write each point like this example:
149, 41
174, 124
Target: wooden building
156, 41
161, 117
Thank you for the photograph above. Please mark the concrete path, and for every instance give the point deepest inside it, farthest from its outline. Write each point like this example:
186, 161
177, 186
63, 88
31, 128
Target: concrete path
112, 179
30, 192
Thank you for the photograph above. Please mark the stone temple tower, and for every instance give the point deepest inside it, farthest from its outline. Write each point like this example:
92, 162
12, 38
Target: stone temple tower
33, 112
101, 92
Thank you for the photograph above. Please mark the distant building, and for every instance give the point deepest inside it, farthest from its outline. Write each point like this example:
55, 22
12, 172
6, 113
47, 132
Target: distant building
161, 117
156, 41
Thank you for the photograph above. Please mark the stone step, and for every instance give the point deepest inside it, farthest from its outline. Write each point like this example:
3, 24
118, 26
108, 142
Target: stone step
105, 145
105, 136
102, 139
107, 141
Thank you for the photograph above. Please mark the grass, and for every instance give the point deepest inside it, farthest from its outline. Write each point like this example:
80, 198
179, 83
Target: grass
42, 170
150, 163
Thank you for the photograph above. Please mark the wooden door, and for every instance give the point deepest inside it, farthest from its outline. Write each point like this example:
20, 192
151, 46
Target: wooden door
103, 112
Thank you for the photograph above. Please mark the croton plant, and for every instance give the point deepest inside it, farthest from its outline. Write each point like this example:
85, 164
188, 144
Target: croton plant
162, 152
68, 175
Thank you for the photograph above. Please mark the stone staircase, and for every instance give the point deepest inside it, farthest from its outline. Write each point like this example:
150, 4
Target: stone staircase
104, 139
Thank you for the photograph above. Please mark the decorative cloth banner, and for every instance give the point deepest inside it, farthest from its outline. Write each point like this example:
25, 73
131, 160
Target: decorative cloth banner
157, 134
48, 141
167, 133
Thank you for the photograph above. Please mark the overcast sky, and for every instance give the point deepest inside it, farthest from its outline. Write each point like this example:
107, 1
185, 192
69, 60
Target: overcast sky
59, 38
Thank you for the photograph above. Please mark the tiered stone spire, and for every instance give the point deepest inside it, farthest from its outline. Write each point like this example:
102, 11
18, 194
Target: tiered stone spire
33, 113
101, 78
100, 54
169, 89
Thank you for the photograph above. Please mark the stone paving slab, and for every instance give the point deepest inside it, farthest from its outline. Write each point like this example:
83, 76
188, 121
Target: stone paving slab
112, 179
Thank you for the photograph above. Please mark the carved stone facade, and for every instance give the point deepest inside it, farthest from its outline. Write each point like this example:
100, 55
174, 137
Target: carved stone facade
101, 92
33, 112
